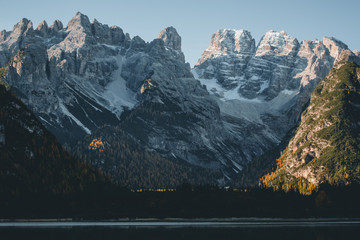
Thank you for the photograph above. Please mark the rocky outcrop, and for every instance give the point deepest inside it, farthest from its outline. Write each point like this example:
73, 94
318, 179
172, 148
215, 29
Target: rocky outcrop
171, 38
42, 29
227, 57
3, 35
278, 63
267, 72
228, 42
324, 147
268, 85
56, 26
334, 46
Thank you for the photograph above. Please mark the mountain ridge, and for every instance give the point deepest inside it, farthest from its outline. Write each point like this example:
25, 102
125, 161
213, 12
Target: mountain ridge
84, 77
325, 147
268, 86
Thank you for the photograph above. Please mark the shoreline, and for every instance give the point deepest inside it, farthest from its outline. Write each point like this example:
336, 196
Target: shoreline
181, 222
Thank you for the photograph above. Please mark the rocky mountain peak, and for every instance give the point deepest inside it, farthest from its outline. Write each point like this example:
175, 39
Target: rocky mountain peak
101, 32
261, 88
79, 32
335, 46
117, 35
275, 43
137, 43
98, 27
42, 28
56, 26
24, 27
282, 32
345, 57
171, 38
79, 21
3, 35
229, 42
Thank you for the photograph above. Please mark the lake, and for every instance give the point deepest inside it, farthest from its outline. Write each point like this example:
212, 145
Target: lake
180, 230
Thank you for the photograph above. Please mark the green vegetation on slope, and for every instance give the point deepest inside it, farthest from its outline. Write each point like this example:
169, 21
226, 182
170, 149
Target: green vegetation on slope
326, 146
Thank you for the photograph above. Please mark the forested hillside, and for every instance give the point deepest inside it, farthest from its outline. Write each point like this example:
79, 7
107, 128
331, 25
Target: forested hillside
32, 160
326, 146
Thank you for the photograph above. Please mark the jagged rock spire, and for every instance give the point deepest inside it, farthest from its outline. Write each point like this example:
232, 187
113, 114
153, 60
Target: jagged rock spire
277, 44
79, 20
229, 41
335, 46
171, 38
43, 28
57, 25
25, 27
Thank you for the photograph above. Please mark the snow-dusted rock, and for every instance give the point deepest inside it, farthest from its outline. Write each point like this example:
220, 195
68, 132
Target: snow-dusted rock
277, 44
264, 88
227, 57
81, 77
277, 64
334, 46
70, 77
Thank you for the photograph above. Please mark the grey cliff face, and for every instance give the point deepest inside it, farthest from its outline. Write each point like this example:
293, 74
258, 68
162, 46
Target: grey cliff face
86, 75
227, 57
42, 29
264, 88
79, 78
267, 71
334, 46
274, 66
67, 75
171, 38
229, 42
56, 26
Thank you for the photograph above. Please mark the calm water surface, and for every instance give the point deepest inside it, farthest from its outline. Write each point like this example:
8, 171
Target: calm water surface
229, 232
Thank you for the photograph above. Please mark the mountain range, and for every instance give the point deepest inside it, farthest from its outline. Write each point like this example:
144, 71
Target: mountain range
137, 110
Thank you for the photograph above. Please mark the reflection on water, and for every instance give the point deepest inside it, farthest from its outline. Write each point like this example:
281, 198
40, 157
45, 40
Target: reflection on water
174, 233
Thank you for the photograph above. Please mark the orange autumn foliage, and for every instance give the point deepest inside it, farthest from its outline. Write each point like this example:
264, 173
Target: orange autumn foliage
97, 144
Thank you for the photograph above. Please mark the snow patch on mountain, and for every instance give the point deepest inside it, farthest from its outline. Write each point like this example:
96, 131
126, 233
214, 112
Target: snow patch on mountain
117, 94
214, 88
72, 117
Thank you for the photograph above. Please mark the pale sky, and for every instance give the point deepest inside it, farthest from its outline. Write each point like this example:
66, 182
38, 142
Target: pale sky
196, 21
